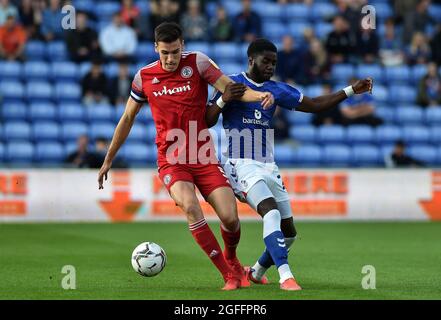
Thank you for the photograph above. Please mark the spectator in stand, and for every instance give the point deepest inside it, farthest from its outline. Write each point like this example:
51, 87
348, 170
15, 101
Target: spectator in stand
162, 11
94, 85
416, 20
429, 87
340, 42
351, 12
221, 26
359, 109
247, 24
419, 50
51, 26
12, 39
119, 87
391, 53
29, 18
329, 117
6, 10
368, 45
118, 41
96, 158
435, 45
289, 62
82, 42
130, 13
316, 63
194, 23
80, 158
399, 158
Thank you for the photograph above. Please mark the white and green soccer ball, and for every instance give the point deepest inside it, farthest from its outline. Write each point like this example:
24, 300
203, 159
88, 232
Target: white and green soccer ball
148, 259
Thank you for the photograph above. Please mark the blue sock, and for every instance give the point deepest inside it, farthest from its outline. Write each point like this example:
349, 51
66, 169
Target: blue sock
275, 244
265, 259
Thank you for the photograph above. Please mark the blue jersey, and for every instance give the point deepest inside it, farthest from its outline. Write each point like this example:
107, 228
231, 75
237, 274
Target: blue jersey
248, 125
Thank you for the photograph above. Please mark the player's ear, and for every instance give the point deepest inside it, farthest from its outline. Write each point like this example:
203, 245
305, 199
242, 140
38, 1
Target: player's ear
250, 61
182, 45
156, 47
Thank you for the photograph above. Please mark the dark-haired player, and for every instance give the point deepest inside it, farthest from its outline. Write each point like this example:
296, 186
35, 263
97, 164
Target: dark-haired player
176, 87
250, 166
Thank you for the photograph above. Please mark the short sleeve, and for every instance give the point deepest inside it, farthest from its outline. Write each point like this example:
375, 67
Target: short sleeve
216, 94
136, 92
208, 70
287, 96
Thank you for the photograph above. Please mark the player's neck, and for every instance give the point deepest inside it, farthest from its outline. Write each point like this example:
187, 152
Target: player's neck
252, 76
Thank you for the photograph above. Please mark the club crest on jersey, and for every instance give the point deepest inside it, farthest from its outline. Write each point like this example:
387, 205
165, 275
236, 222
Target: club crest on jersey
257, 114
186, 72
167, 179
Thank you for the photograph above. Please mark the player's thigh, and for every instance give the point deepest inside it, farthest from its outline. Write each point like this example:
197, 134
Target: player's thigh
183, 193
257, 194
223, 202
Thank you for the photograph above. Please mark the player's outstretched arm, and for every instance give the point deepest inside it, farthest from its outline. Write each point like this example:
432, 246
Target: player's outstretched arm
266, 98
323, 103
233, 91
119, 136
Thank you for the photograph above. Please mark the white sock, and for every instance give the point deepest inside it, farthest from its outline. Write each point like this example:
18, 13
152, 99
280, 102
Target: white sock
284, 272
259, 271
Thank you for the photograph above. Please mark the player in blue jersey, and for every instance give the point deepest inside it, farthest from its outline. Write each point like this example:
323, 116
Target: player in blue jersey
250, 165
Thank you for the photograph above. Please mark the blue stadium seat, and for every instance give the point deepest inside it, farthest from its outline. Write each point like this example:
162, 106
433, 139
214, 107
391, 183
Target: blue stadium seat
385, 112
57, 51
14, 111
2, 153
10, 70
139, 153
380, 94
402, 94
138, 133
151, 132
435, 12
203, 47
387, 134
435, 134
100, 113
64, 71
84, 5
145, 51
36, 70
366, 155
37, 91
417, 72
331, 134
225, 51
71, 112
42, 111
105, 9
409, 115
19, 152
359, 134
322, 30
433, 115
269, 11
102, 129
374, 71
232, 7
68, 92
144, 7
426, 153
314, 90
342, 72
308, 155
84, 68
398, 74
416, 134
231, 68
383, 10
35, 51
274, 30
303, 133
283, 154
49, 152
12, 91
323, 11
72, 130
17, 130
298, 118
336, 155
46, 130
297, 12
297, 29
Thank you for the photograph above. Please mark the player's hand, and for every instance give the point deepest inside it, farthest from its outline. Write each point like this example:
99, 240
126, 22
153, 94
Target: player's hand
364, 85
233, 91
102, 175
267, 100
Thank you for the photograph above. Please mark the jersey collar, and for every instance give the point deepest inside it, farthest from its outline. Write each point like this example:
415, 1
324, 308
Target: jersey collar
255, 83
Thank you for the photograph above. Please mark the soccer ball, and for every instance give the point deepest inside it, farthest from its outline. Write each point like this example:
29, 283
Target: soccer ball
148, 259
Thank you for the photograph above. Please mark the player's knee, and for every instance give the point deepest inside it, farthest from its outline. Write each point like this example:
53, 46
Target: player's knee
192, 209
230, 222
266, 206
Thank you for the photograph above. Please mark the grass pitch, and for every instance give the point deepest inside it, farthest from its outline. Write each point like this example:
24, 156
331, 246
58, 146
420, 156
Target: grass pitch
327, 261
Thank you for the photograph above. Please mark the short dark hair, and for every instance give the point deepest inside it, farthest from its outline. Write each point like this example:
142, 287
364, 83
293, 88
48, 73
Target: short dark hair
258, 46
168, 32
